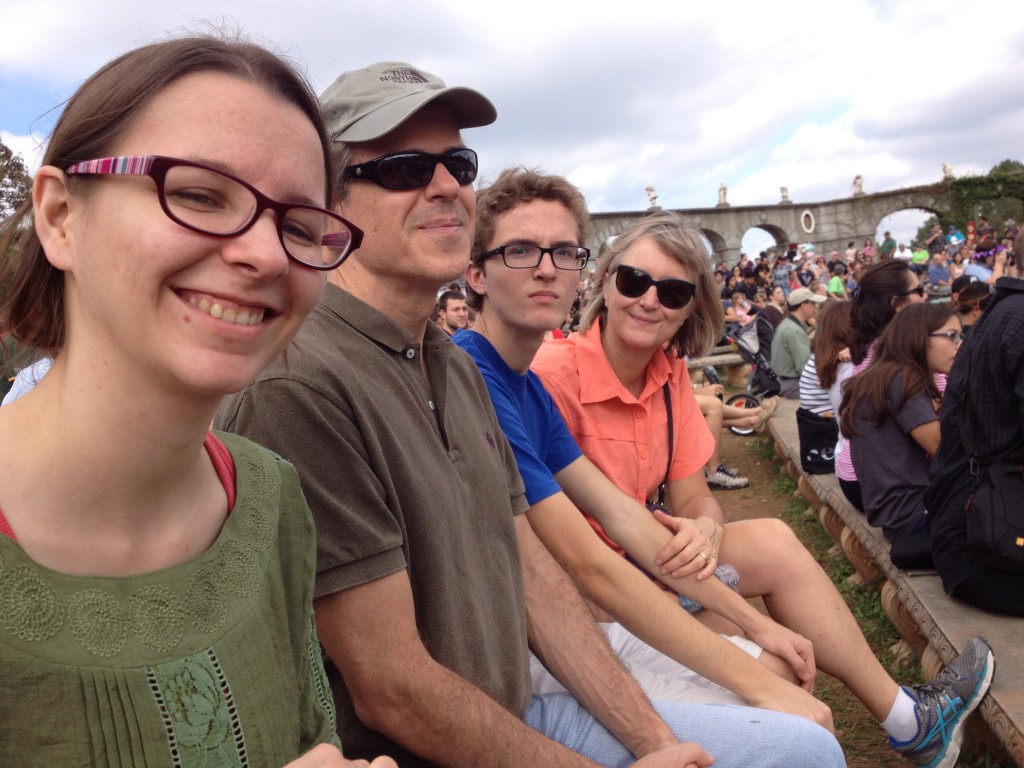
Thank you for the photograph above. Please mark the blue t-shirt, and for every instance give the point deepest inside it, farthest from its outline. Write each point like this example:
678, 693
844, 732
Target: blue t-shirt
532, 423
978, 270
937, 273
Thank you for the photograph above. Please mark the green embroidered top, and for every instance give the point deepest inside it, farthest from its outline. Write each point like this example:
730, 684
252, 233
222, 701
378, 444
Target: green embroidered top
213, 662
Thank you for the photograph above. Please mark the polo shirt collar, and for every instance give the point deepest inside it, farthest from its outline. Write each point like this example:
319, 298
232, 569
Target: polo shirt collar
598, 381
376, 325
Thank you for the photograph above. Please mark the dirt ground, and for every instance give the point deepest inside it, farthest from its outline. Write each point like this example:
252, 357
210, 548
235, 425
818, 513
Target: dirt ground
862, 738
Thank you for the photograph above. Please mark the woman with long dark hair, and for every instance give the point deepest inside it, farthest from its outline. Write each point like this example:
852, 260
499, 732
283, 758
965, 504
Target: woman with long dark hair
156, 578
890, 416
883, 290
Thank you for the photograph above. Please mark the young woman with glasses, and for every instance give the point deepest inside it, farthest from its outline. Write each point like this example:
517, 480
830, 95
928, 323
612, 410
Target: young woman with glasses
156, 578
883, 290
890, 417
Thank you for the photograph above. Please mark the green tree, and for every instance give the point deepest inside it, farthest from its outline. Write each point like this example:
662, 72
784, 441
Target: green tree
1000, 210
15, 182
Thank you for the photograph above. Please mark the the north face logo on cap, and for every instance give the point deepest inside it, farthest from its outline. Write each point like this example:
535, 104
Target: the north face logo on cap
403, 75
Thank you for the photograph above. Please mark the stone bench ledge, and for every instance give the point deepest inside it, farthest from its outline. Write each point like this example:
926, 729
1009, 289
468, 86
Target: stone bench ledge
934, 625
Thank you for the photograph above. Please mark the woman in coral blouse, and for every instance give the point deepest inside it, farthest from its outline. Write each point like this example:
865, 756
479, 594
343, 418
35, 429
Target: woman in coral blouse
622, 381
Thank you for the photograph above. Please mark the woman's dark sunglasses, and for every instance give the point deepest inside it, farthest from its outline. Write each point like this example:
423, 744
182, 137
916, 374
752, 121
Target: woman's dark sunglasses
672, 293
919, 290
412, 170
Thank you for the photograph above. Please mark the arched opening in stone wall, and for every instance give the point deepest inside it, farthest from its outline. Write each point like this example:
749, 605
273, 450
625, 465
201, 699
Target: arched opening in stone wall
765, 237
903, 226
718, 248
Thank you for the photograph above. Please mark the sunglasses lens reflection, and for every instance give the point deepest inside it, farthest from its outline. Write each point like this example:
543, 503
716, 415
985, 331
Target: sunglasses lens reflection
633, 283
413, 170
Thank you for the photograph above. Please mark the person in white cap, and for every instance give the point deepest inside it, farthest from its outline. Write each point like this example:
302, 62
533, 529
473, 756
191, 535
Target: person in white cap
431, 584
791, 345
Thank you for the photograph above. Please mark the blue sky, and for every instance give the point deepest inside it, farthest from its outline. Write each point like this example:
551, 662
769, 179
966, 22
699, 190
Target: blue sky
675, 95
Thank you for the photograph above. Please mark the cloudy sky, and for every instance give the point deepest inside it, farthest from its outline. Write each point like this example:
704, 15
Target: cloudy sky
676, 95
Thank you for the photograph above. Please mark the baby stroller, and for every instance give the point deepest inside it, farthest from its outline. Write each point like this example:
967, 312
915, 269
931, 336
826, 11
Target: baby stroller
753, 342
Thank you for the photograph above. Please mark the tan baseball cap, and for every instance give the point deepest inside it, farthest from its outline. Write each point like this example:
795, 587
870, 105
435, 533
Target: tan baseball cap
800, 295
365, 104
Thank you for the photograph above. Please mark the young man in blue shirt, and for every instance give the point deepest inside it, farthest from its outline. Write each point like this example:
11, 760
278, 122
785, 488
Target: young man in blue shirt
525, 266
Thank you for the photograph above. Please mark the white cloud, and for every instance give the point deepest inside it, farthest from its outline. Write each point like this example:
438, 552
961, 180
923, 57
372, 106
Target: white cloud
675, 95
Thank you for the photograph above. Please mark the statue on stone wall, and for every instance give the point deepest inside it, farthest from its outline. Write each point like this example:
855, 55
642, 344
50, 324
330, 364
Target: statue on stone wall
947, 171
858, 185
785, 195
651, 196
722, 191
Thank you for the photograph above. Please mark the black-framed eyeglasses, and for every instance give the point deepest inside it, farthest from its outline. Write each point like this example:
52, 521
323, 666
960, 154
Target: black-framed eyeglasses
919, 290
209, 201
412, 170
673, 293
528, 256
954, 336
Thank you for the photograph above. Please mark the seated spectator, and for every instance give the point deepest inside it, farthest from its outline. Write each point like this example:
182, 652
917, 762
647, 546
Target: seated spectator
603, 377
902, 253
816, 420
971, 301
782, 270
956, 264
791, 345
452, 311
830, 353
954, 241
719, 416
986, 385
157, 576
885, 289
889, 416
919, 261
750, 286
868, 251
818, 288
836, 285
732, 284
988, 265
775, 309
739, 310
939, 277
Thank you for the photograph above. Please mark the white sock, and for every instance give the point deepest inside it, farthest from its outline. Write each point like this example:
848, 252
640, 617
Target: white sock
901, 724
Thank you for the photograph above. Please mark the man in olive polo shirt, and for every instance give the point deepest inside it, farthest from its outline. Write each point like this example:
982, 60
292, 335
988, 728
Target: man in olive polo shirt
427, 570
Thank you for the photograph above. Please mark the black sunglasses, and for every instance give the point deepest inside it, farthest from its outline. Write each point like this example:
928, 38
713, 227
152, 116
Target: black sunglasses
672, 293
919, 290
412, 170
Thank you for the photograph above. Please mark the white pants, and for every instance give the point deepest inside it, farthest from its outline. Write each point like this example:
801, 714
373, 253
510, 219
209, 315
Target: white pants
660, 677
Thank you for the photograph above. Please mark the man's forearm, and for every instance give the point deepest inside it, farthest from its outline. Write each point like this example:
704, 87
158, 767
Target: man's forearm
398, 690
567, 640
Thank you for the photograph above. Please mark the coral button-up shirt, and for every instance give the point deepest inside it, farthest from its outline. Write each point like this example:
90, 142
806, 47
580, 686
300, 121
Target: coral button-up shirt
626, 437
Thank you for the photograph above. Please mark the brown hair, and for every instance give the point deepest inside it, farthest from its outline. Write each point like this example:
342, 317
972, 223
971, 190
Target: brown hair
680, 238
974, 294
873, 303
513, 187
99, 113
902, 351
830, 338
